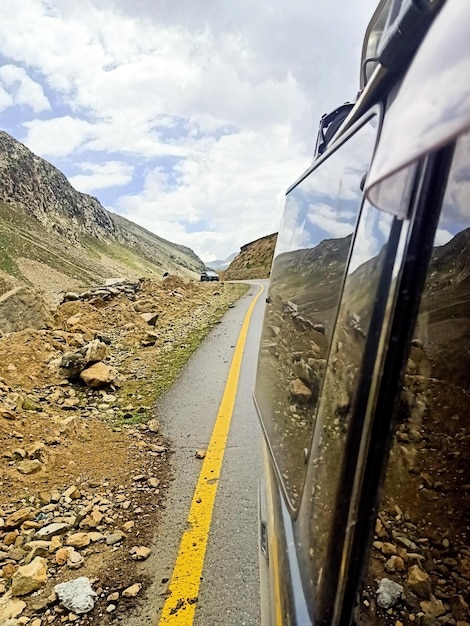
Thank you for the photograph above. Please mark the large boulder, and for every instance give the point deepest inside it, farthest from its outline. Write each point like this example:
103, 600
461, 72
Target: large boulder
99, 375
29, 578
72, 363
22, 308
299, 391
94, 351
76, 595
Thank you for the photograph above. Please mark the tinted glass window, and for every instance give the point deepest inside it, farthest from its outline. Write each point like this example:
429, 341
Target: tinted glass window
421, 551
306, 282
365, 276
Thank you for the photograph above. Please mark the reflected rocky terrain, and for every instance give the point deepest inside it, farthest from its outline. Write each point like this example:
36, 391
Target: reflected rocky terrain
303, 299
302, 305
421, 543
421, 535
306, 281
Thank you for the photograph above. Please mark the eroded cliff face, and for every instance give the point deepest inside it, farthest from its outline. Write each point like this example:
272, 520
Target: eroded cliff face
44, 220
254, 260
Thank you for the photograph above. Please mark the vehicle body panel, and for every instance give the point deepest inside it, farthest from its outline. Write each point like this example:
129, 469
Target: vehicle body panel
330, 398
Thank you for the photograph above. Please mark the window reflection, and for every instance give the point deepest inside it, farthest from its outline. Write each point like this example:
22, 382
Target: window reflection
421, 538
306, 281
365, 272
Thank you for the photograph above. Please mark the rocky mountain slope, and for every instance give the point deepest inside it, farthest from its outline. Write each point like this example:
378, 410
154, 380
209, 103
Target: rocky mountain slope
51, 233
254, 260
85, 464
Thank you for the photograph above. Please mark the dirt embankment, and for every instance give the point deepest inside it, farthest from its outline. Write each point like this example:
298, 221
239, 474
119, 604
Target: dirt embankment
254, 261
85, 468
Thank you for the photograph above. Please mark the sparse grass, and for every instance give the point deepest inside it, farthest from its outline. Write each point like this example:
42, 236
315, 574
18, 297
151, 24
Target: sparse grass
25, 237
161, 374
120, 253
7, 262
22, 235
93, 246
163, 368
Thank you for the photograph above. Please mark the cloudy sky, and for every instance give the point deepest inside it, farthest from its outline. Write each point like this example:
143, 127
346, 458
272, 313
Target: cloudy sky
190, 118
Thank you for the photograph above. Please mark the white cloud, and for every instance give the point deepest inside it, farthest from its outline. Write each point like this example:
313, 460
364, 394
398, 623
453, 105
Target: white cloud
292, 234
442, 237
231, 93
373, 232
22, 89
328, 219
102, 175
59, 136
5, 99
235, 188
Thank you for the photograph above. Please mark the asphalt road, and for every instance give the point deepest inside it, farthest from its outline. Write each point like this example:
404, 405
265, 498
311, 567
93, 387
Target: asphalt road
229, 590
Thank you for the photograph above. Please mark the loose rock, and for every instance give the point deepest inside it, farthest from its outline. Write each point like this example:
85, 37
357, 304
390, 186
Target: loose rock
56, 528
299, 391
132, 591
76, 595
10, 608
153, 426
17, 518
419, 582
388, 593
30, 466
78, 540
99, 375
140, 553
74, 559
433, 607
29, 578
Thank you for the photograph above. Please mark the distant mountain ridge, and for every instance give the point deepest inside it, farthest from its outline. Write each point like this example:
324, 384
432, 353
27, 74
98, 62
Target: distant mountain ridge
220, 264
40, 209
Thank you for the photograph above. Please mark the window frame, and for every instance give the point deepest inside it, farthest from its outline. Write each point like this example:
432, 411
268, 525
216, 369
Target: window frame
374, 112
381, 404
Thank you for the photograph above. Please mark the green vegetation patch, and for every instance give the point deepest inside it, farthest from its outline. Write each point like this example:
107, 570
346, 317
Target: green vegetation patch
164, 366
118, 252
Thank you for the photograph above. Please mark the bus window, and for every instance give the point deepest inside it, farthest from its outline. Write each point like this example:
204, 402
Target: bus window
306, 282
369, 271
419, 564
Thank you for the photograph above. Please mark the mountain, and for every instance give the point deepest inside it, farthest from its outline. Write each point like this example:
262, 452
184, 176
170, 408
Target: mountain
310, 279
221, 264
254, 259
445, 325
50, 233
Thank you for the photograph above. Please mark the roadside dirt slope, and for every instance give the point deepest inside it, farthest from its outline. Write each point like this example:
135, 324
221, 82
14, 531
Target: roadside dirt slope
84, 466
254, 260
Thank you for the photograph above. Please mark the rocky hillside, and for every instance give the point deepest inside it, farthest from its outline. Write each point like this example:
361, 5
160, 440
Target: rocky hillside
52, 234
254, 260
85, 466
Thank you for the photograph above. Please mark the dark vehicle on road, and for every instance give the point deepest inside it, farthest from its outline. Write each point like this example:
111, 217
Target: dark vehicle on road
363, 379
209, 276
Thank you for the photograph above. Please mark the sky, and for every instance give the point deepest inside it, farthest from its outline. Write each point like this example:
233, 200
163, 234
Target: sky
190, 118
326, 204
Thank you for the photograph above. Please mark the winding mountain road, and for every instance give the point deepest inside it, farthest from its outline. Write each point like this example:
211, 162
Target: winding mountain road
209, 528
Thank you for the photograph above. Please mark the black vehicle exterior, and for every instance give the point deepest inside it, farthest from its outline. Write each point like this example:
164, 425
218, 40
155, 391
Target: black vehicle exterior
363, 376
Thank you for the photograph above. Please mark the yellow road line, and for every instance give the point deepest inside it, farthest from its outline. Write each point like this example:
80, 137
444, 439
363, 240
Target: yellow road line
180, 605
